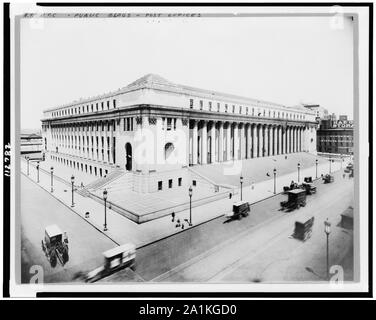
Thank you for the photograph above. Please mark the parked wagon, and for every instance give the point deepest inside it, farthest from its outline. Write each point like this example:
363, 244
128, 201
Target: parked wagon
303, 229
239, 209
55, 245
296, 199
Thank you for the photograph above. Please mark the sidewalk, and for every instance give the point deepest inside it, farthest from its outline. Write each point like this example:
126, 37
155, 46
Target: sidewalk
122, 230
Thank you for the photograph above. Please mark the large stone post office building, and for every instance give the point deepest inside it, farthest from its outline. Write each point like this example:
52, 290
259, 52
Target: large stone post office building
154, 128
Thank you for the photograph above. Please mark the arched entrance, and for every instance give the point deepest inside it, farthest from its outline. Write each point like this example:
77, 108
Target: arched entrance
169, 149
128, 155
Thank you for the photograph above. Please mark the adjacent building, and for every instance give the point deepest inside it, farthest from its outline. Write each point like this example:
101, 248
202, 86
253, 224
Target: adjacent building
31, 143
336, 136
154, 128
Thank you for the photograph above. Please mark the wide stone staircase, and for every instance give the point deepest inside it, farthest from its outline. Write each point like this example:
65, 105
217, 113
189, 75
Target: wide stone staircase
113, 175
121, 183
101, 182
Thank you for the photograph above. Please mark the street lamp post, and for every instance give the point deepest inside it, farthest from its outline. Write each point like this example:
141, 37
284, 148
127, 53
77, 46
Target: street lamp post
330, 165
52, 179
275, 182
241, 188
28, 159
317, 161
105, 209
298, 172
190, 205
38, 172
327, 231
72, 180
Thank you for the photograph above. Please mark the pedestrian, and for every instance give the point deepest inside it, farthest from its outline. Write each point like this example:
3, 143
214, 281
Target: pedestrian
173, 216
268, 174
285, 157
82, 184
230, 195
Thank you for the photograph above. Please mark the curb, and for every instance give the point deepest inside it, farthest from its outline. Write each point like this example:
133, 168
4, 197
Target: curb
69, 207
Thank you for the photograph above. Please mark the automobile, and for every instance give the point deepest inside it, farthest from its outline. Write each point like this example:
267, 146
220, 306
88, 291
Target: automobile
239, 209
296, 199
328, 178
115, 259
55, 245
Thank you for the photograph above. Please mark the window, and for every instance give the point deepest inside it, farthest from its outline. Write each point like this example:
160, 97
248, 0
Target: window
233, 108
96, 105
92, 108
191, 103
108, 104
170, 183
102, 105
201, 104
226, 107
159, 185
210, 106
218, 106
114, 103
240, 109
246, 110
169, 149
179, 182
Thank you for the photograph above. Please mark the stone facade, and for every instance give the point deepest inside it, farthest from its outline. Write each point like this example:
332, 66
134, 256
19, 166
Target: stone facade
154, 127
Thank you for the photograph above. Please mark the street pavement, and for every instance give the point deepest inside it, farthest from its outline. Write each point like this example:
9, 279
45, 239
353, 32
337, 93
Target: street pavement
258, 248
122, 230
40, 207
38, 210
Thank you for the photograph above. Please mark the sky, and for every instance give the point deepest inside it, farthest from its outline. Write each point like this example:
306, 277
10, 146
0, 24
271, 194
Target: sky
287, 60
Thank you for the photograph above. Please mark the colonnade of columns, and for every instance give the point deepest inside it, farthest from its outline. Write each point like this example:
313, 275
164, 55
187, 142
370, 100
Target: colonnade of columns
218, 141
90, 140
